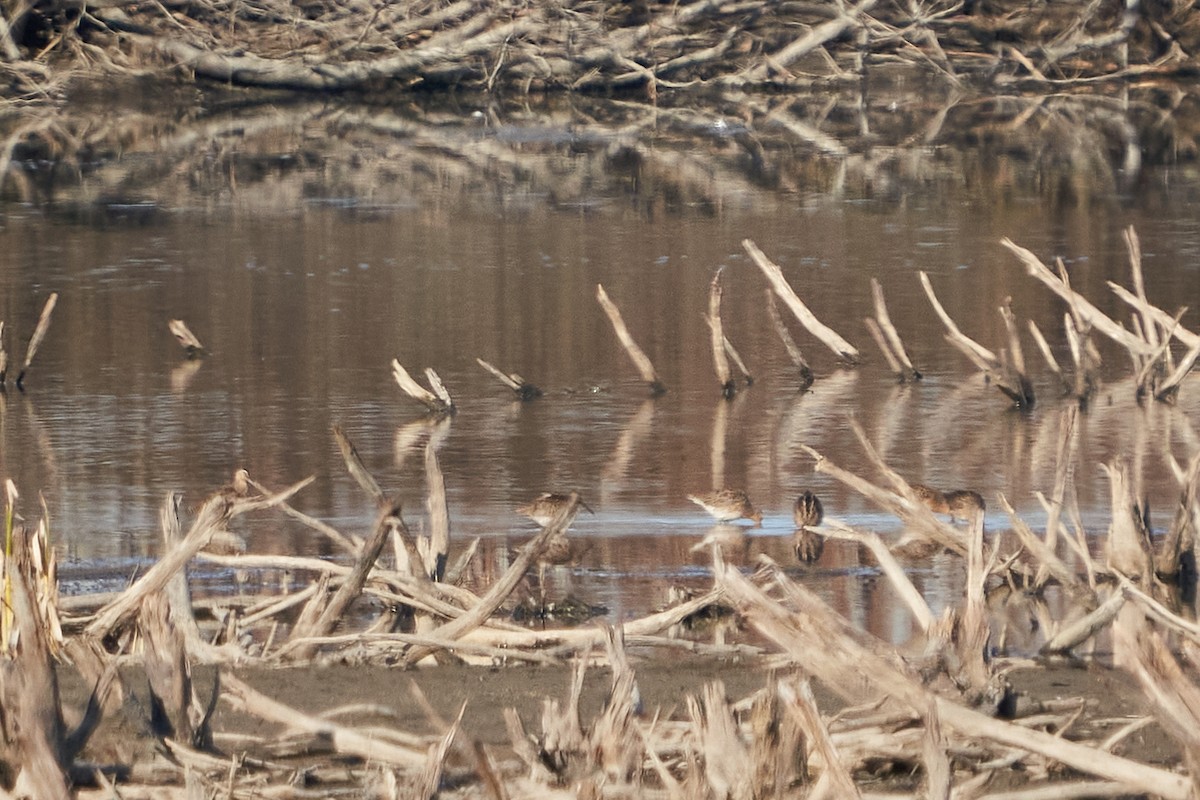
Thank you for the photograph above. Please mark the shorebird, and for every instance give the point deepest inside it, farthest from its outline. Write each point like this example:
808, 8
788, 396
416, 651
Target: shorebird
807, 544
558, 550
727, 505
959, 504
546, 506
808, 512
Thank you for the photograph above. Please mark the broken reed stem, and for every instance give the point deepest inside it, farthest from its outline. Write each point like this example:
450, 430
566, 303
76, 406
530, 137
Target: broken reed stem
717, 337
500, 590
789, 344
891, 568
979, 355
437, 547
39, 333
523, 390
636, 354
437, 402
845, 351
356, 468
187, 340
882, 328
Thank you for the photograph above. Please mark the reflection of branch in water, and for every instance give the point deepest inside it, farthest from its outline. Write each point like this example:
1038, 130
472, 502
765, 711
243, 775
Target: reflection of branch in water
43, 443
183, 373
408, 436
807, 413
893, 411
613, 474
717, 444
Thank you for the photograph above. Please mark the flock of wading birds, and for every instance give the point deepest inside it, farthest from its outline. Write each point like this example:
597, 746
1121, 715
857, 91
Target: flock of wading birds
729, 505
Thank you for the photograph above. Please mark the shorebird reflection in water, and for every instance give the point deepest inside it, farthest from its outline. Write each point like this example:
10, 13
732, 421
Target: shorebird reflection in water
727, 505
559, 550
807, 513
959, 504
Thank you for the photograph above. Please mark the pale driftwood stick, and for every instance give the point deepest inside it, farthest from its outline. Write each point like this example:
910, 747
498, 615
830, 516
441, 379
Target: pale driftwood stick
1079, 631
1176, 698
1085, 357
187, 340
39, 333
213, 516
430, 778
1157, 611
1085, 311
439, 388
170, 677
806, 373
809, 41
356, 468
488, 604
971, 642
841, 664
29, 681
636, 354
877, 334
438, 545
1168, 390
178, 596
935, 757
343, 541
344, 740
351, 588
835, 778
1047, 353
1048, 561
979, 355
433, 402
3, 356
908, 509
1166, 321
1185, 524
891, 335
890, 566
1016, 384
717, 337
1149, 325
1065, 459
722, 751
523, 390
1128, 543
393, 643
826, 335
736, 358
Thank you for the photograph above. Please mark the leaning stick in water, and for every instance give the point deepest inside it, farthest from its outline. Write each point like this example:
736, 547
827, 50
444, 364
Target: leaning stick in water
789, 344
894, 349
720, 356
640, 359
3, 356
39, 333
522, 389
829, 337
438, 401
187, 340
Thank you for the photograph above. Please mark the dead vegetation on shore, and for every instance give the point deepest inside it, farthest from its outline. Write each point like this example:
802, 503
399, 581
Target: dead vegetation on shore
585, 46
933, 719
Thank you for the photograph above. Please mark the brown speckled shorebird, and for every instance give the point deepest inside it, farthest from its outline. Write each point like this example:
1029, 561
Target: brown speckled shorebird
546, 505
727, 505
559, 550
807, 513
959, 504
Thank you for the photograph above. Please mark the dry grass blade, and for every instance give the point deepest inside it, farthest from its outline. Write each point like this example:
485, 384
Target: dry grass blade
430, 778
827, 336
636, 354
39, 333
727, 765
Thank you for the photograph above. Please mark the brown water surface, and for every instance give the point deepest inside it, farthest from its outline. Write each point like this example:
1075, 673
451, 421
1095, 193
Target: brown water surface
308, 246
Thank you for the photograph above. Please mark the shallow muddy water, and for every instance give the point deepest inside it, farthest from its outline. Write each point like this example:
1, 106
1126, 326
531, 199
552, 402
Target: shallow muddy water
309, 246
